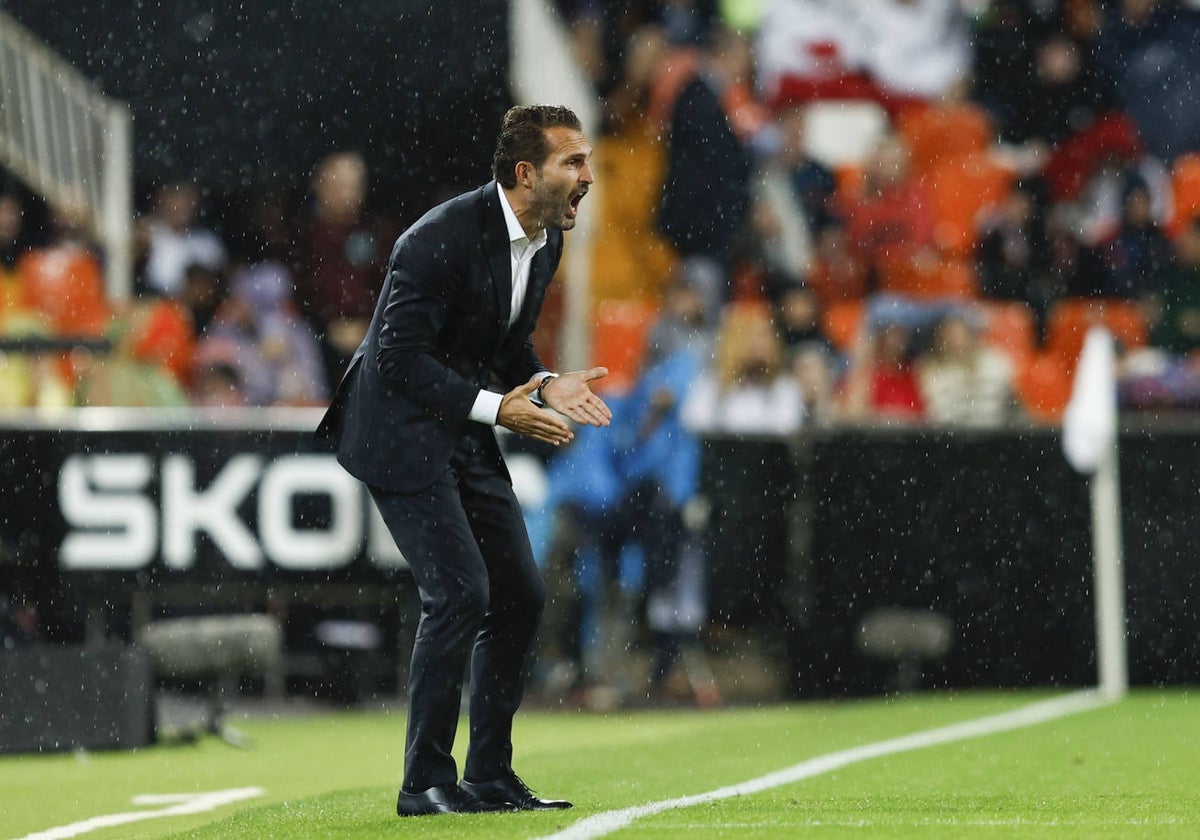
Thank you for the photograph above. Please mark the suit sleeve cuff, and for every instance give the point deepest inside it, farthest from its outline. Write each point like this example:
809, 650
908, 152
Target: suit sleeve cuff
486, 408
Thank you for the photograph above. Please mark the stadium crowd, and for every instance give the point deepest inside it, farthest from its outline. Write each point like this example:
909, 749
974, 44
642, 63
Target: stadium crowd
810, 213
928, 201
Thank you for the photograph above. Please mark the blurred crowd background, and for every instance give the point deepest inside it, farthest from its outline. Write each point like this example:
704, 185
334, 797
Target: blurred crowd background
808, 213
906, 210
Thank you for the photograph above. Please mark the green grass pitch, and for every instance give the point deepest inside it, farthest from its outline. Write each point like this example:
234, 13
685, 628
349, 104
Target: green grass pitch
1126, 770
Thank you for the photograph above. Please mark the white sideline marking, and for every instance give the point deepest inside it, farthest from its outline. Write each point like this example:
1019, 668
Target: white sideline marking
178, 804
607, 822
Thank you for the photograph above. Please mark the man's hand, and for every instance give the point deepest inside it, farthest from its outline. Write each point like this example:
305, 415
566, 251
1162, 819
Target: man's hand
571, 396
520, 415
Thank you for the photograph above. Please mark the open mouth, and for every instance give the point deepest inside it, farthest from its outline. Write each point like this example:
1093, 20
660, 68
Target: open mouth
573, 205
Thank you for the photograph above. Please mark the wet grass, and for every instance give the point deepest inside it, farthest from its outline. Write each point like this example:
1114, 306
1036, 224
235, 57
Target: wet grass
1130, 770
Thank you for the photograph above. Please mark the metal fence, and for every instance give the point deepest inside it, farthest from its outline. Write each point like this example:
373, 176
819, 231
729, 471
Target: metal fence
69, 142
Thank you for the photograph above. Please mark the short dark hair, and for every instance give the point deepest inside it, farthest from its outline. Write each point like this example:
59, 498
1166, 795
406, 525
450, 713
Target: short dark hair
523, 137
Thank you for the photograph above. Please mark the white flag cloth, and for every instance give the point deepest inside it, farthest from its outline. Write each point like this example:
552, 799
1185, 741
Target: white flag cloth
1090, 421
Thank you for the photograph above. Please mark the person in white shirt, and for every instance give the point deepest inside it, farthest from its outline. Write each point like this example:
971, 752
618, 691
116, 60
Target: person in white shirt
749, 389
176, 242
963, 381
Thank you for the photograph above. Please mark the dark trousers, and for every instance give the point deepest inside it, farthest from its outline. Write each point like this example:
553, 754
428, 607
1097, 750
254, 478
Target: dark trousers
481, 600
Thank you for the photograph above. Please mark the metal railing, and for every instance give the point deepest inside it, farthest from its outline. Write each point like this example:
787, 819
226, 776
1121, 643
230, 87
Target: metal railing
68, 142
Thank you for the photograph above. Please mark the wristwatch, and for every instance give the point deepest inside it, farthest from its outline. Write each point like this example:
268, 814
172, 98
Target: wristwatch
539, 398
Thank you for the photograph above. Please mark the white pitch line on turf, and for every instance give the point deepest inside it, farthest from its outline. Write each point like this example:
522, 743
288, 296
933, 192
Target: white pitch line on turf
179, 804
607, 822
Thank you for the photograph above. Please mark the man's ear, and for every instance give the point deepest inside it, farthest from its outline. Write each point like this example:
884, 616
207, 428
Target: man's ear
526, 173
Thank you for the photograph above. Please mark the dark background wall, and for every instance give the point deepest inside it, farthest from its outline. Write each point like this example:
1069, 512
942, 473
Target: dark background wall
242, 96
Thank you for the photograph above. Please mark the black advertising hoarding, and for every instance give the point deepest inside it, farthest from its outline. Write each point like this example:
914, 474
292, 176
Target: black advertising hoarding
129, 496
804, 537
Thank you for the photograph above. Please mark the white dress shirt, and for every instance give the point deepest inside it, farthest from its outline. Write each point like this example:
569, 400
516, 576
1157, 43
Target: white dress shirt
521, 251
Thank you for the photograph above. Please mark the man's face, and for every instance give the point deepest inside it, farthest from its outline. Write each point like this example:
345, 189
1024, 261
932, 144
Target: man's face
562, 181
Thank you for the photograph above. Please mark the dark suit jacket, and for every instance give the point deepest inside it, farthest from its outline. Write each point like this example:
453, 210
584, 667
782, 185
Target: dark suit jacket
439, 333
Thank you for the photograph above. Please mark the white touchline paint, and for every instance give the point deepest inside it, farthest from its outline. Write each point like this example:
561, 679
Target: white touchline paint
610, 821
178, 804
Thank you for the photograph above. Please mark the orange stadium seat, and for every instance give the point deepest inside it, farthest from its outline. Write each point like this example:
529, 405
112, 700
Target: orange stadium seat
841, 322
935, 135
959, 189
163, 335
1009, 326
900, 272
66, 286
1185, 184
904, 273
619, 340
1044, 387
956, 279
1070, 319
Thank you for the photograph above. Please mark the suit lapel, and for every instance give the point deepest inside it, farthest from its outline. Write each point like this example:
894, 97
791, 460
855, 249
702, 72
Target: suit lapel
499, 252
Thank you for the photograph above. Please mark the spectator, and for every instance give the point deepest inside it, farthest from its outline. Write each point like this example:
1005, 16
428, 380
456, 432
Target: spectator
881, 382
686, 314
1149, 49
659, 462
962, 381
342, 251
1076, 268
1139, 256
838, 273
62, 280
894, 51
165, 338
811, 49
1065, 97
277, 357
888, 223
797, 315
31, 379
631, 258
749, 389
812, 185
813, 366
175, 241
1175, 326
216, 382
12, 245
1013, 252
1036, 75
687, 21
12, 239
706, 195
203, 290
918, 48
133, 374
627, 492
1101, 207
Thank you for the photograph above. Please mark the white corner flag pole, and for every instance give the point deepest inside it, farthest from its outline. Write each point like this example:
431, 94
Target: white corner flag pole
1109, 578
1090, 444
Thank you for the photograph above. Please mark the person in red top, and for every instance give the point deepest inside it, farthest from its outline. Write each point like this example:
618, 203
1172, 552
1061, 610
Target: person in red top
881, 383
341, 253
888, 224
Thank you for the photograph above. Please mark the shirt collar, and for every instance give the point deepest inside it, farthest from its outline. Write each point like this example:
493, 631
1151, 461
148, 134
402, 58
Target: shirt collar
516, 233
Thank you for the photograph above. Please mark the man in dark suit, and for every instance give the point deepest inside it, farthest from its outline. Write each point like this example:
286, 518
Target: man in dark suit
413, 419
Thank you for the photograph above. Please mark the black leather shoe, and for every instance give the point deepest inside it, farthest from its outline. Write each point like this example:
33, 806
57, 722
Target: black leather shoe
443, 799
511, 791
